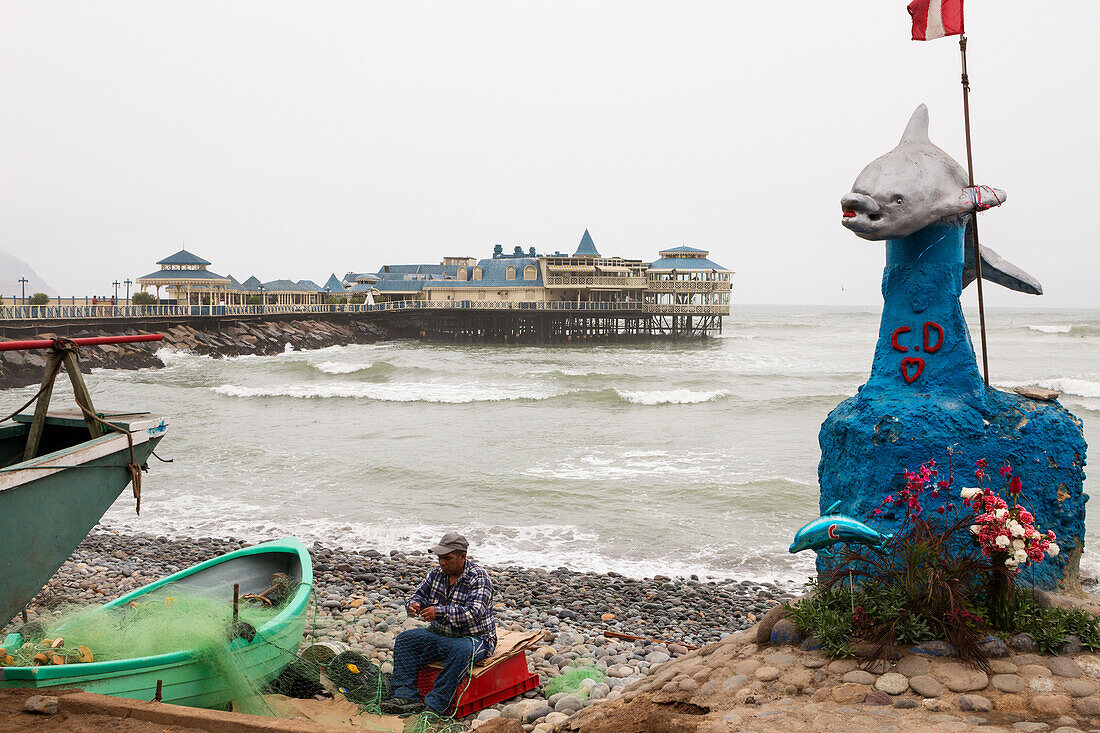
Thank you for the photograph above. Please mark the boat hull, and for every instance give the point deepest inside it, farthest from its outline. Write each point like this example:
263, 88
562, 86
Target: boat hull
50, 503
187, 677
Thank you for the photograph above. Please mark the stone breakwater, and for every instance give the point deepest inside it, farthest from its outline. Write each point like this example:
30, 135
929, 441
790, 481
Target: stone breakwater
208, 337
361, 595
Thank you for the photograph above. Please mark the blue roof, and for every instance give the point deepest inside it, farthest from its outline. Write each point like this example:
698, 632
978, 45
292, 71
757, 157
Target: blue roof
587, 248
289, 286
333, 284
408, 271
365, 287
685, 263
686, 250
234, 284
494, 274
403, 286
182, 275
252, 283
310, 284
183, 257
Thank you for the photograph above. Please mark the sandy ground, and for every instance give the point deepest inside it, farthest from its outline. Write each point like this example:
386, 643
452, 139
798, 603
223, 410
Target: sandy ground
12, 718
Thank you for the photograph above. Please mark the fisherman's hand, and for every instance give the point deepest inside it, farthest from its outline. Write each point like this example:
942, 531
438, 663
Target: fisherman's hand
413, 608
428, 614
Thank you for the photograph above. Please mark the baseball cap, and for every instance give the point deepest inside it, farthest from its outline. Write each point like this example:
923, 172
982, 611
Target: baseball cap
451, 542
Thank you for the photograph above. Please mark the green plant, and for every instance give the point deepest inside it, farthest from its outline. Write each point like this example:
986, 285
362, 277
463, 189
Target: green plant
827, 616
252, 300
143, 298
336, 299
39, 299
358, 299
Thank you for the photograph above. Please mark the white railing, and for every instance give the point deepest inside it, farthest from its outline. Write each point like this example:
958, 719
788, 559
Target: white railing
601, 281
694, 286
54, 312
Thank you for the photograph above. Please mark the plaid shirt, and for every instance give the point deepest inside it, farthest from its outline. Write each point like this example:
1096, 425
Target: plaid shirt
463, 609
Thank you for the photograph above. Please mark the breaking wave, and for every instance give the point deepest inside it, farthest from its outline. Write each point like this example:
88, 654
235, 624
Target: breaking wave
670, 396
1049, 329
413, 392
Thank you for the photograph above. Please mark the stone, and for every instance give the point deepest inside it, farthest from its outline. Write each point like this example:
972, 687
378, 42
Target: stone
993, 647
764, 628
1034, 670
535, 712
849, 693
1041, 684
892, 683
569, 702
488, 714
766, 674
935, 649
815, 662
906, 703
1002, 666
878, 698
1028, 726
859, 677
780, 660
842, 666
1010, 683
1087, 706
747, 667
1064, 667
810, 644
960, 678
690, 685
555, 718
1026, 658
912, 665
1079, 688
1023, 643
1052, 704
933, 704
1068, 729
40, 704
975, 703
734, 683
784, 633
1072, 645
925, 686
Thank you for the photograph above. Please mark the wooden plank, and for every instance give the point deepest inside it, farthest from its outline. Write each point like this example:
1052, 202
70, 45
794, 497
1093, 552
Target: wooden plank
80, 391
38, 424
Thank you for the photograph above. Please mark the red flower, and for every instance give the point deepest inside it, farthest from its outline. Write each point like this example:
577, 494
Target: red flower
1015, 486
979, 474
980, 463
1006, 470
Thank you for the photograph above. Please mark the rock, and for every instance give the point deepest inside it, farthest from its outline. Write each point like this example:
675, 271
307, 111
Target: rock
764, 628
975, 703
555, 718
766, 674
569, 702
502, 725
993, 647
1072, 645
1028, 726
1041, 685
933, 704
1052, 704
906, 703
1079, 688
40, 704
488, 714
810, 644
734, 683
780, 660
935, 649
913, 665
1064, 667
513, 711
1023, 643
842, 666
892, 683
1088, 706
859, 677
784, 633
1002, 666
1068, 729
960, 678
878, 698
747, 667
535, 712
925, 686
849, 693
1010, 683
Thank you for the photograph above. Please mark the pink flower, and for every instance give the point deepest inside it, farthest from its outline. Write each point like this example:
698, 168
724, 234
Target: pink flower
981, 463
1006, 470
979, 474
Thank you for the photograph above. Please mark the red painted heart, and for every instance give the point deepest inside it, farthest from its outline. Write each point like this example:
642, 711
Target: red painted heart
912, 361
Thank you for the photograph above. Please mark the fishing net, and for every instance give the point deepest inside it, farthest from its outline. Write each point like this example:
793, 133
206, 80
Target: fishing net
570, 680
153, 625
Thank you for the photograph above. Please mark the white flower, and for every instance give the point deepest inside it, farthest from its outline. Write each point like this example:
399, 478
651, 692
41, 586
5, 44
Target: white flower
970, 492
1002, 541
1000, 513
1053, 550
1020, 556
1017, 544
1015, 527
975, 529
1011, 562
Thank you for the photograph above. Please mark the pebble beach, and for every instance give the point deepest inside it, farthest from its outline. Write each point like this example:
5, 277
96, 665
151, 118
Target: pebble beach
360, 595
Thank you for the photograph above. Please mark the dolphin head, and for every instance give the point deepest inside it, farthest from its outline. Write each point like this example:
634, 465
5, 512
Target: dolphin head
913, 186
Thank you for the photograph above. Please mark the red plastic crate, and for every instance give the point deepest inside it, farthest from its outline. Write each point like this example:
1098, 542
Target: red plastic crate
496, 684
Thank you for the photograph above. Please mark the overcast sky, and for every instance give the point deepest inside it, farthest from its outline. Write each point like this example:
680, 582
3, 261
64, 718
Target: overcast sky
298, 139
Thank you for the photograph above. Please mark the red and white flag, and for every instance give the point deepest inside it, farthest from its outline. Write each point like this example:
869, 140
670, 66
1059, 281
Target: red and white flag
936, 18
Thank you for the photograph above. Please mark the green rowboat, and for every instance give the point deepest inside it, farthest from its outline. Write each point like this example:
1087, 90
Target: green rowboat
49, 502
188, 677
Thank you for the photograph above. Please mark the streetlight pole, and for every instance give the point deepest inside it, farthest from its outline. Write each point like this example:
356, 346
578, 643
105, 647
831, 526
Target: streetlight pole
128, 282
263, 301
116, 283
23, 286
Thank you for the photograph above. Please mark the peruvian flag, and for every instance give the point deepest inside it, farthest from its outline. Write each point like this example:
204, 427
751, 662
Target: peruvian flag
936, 18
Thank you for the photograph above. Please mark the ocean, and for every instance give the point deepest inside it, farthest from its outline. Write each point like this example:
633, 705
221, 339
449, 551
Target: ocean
657, 458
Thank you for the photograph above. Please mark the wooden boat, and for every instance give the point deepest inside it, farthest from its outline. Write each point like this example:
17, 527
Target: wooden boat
188, 676
60, 471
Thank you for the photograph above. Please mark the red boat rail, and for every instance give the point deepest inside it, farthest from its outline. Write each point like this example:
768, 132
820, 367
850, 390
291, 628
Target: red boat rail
92, 341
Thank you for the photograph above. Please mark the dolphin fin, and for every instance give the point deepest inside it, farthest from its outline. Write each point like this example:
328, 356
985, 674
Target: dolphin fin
917, 129
825, 552
832, 508
995, 268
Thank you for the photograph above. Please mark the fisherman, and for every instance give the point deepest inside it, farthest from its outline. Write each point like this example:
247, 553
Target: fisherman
457, 600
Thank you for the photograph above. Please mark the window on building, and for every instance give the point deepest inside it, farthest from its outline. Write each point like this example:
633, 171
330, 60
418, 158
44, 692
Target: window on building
510, 273
461, 273
477, 273
530, 273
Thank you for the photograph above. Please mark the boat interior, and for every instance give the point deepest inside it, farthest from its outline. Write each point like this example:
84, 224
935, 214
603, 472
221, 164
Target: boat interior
65, 428
252, 572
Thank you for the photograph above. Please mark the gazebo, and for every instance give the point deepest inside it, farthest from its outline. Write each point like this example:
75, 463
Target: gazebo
186, 278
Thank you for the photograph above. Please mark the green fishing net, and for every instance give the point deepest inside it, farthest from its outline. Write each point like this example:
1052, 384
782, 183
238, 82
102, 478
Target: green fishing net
570, 680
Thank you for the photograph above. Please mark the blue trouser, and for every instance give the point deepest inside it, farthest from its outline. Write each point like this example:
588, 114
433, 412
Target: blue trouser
416, 647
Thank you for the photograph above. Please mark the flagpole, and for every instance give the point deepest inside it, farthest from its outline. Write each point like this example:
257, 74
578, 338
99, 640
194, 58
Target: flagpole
974, 216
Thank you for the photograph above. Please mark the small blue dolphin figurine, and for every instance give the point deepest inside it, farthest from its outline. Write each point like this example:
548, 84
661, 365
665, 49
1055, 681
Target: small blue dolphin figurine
832, 529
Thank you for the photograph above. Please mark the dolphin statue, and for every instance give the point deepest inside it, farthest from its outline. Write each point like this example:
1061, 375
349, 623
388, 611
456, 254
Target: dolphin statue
916, 185
832, 529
